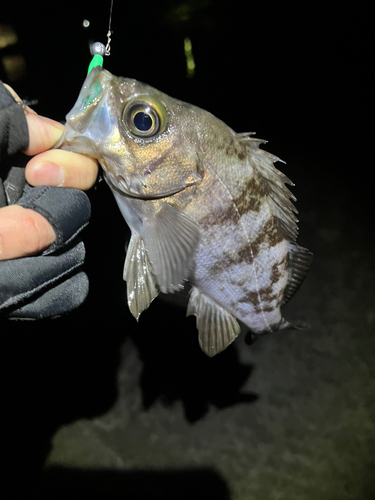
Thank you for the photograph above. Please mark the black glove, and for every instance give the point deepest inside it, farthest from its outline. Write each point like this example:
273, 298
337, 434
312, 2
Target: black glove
52, 283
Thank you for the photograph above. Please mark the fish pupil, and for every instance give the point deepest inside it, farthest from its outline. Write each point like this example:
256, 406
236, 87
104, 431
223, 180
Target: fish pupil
144, 117
142, 121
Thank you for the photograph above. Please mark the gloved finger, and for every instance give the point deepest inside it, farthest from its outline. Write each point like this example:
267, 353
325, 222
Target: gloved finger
63, 169
62, 298
17, 98
67, 210
23, 232
31, 276
43, 132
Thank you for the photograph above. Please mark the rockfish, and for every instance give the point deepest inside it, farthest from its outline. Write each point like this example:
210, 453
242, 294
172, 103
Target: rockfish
205, 206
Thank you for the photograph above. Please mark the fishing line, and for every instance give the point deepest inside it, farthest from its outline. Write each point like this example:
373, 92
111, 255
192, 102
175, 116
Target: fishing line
108, 47
98, 49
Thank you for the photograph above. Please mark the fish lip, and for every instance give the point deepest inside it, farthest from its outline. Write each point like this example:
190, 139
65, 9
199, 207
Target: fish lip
71, 142
167, 194
60, 142
122, 187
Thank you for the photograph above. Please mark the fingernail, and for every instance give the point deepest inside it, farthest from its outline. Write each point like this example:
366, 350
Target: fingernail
47, 174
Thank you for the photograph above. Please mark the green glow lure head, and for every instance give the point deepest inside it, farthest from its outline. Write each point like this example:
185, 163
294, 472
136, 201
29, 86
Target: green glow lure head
98, 51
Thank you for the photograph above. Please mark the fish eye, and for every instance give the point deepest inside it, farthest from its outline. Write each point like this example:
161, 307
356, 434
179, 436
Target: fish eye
144, 116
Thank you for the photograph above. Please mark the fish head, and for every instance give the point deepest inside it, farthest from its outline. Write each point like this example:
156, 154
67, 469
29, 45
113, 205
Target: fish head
142, 138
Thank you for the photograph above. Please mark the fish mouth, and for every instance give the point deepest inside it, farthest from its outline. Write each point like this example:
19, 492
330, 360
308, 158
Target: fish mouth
69, 141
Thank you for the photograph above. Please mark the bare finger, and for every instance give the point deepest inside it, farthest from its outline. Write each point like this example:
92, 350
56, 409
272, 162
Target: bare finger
62, 169
43, 133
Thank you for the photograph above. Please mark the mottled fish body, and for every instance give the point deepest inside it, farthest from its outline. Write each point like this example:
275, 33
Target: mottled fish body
204, 204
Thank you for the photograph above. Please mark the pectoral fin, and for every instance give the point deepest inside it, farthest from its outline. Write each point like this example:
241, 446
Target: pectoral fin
217, 327
171, 239
140, 281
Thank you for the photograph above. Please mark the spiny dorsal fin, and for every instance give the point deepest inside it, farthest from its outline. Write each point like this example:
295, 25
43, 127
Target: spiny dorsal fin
279, 194
299, 258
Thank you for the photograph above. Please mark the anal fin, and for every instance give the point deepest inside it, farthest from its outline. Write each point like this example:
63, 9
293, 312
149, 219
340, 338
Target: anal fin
217, 327
140, 281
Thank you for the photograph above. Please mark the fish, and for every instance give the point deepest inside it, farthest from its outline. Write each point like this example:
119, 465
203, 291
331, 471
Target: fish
206, 207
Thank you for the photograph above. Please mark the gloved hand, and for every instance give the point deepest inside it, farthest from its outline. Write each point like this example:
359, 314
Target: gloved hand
52, 283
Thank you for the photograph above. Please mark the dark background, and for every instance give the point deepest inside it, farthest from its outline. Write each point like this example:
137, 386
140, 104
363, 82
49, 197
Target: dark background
292, 415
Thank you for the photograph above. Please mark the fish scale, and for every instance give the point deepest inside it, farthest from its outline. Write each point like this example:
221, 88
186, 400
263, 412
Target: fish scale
205, 206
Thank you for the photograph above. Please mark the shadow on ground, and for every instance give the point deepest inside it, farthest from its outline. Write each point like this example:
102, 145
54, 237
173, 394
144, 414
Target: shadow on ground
167, 484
